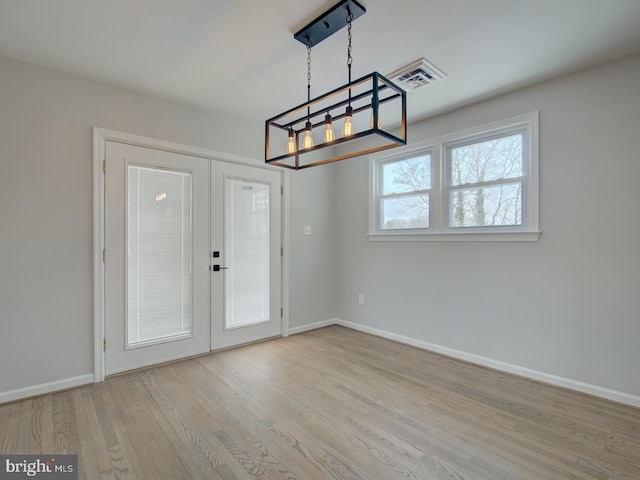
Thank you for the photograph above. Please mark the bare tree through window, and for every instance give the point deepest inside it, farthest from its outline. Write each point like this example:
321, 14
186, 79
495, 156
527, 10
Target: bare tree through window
407, 185
486, 180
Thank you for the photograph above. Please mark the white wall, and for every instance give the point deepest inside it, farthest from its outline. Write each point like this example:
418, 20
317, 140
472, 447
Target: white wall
46, 291
567, 305
313, 280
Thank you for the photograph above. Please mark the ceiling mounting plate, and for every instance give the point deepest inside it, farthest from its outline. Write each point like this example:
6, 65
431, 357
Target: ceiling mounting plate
329, 22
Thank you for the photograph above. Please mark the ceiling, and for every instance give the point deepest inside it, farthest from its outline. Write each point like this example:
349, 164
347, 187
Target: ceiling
239, 56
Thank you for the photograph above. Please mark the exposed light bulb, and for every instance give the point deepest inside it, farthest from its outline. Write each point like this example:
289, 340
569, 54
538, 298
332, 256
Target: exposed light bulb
328, 133
347, 129
291, 146
308, 139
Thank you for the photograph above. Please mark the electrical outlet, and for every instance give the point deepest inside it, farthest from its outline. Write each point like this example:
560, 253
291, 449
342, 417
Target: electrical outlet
361, 299
307, 229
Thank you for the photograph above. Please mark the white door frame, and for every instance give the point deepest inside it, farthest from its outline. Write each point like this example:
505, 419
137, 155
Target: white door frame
100, 138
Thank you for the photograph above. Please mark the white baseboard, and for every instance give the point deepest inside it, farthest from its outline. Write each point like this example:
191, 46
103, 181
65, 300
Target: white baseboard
314, 326
616, 396
595, 390
45, 388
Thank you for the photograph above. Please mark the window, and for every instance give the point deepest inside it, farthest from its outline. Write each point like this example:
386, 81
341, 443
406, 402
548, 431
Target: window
477, 185
484, 183
406, 192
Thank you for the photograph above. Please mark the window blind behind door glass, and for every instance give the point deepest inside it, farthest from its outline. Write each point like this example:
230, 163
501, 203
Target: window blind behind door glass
159, 255
246, 230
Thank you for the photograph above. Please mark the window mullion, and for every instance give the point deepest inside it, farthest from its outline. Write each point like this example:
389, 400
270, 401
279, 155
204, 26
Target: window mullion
405, 194
490, 183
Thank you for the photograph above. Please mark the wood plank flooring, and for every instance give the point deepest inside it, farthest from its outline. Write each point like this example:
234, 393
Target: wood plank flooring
327, 404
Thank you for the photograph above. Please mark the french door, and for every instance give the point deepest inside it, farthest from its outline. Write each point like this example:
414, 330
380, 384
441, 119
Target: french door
245, 233
192, 255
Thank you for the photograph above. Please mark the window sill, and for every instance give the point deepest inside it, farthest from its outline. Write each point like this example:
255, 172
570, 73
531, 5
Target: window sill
456, 237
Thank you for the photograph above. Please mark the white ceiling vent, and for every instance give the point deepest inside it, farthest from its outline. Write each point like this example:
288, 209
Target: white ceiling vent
416, 75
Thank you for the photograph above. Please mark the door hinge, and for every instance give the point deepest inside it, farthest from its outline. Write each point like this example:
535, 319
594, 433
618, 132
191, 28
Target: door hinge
281, 312
281, 189
104, 166
282, 251
104, 255
104, 344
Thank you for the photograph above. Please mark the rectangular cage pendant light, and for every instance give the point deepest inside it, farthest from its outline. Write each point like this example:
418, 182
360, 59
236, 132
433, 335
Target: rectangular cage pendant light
361, 117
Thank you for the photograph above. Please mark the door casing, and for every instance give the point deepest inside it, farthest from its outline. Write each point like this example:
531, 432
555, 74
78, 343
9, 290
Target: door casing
100, 137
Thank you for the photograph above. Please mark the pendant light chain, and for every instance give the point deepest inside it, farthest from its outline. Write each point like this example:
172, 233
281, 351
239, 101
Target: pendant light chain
308, 137
349, 57
347, 129
309, 71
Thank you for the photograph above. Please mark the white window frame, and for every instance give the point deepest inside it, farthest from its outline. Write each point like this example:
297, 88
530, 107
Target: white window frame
439, 228
405, 155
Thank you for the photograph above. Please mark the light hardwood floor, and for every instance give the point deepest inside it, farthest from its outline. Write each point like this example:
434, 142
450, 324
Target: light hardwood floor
327, 404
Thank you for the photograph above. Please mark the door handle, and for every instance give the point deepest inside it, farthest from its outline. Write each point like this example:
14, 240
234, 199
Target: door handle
217, 268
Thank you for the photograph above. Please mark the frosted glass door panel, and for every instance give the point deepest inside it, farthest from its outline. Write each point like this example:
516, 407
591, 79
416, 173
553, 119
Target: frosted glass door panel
246, 227
159, 255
